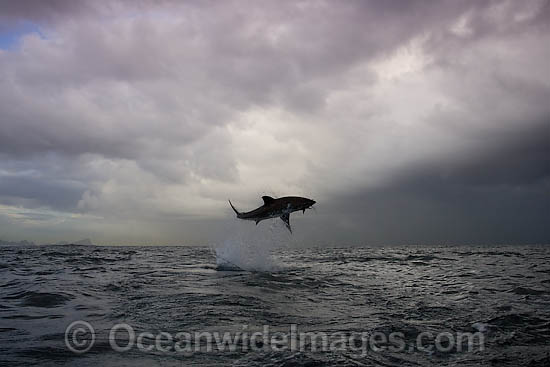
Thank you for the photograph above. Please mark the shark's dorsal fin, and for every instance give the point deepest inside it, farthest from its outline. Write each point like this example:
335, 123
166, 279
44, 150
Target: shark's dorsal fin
267, 200
286, 218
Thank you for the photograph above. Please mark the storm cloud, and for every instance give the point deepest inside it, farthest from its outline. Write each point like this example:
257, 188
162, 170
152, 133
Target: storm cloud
135, 121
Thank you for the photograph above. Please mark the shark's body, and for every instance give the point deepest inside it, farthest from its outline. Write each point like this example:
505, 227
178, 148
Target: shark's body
273, 208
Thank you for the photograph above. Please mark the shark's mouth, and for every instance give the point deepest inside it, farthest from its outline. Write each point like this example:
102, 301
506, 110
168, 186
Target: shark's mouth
312, 207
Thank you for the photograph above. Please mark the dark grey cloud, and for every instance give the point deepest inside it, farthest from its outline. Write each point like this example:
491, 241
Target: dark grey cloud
490, 196
408, 120
513, 158
437, 213
41, 11
39, 192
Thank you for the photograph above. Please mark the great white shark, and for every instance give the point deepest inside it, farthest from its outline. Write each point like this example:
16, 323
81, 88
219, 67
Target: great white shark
273, 208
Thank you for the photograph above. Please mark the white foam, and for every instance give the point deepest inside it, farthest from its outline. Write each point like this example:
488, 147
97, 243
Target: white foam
249, 246
480, 326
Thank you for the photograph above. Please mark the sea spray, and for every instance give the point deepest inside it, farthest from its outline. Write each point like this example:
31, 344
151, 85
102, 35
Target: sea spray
250, 247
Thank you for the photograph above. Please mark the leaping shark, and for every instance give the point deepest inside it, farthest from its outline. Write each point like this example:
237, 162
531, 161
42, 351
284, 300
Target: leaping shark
273, 208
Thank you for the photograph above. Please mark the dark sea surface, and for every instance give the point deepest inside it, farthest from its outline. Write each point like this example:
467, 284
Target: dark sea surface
502, 293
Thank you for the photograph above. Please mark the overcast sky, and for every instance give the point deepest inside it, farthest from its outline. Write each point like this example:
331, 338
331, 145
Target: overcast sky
407, 121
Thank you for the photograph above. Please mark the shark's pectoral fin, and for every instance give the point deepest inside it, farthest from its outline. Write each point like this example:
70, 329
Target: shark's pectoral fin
286, 219
257, 221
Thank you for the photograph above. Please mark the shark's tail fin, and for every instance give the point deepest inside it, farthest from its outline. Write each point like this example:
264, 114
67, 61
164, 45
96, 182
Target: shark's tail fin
235, 210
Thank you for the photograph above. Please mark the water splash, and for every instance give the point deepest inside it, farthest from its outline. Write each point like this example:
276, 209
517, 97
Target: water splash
250, 247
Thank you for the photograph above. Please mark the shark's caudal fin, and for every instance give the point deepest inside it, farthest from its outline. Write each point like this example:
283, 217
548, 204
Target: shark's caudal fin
232, 207
286, 219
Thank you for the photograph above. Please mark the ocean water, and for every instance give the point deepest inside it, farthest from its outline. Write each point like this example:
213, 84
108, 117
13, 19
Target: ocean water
498, 296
